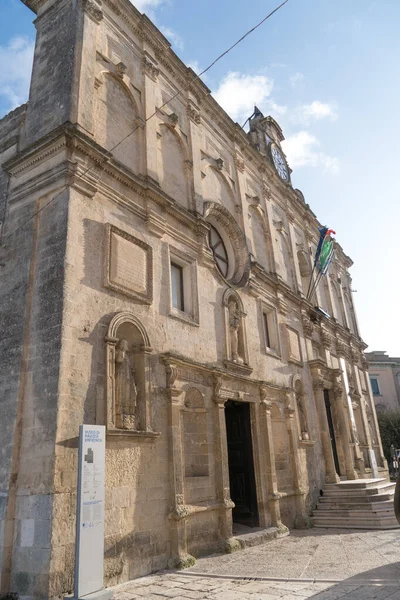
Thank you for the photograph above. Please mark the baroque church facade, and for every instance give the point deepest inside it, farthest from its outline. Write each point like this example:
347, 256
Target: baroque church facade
155, 282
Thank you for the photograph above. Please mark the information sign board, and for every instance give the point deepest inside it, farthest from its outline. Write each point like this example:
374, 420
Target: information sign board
89, 553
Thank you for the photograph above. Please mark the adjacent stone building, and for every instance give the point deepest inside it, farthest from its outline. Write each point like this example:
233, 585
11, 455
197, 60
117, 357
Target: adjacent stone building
385, 379
155, 260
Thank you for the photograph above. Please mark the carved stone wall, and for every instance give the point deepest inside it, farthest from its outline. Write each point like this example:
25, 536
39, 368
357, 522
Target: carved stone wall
86, 285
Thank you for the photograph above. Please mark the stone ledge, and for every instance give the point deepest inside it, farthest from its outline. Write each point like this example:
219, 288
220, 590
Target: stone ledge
254, 537
145, 436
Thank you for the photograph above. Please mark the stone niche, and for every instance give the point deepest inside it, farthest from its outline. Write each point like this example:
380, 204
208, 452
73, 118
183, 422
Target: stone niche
129, 265
128, 392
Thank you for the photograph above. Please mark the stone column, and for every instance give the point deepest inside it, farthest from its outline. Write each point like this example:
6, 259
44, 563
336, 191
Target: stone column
331, 476
302, 519
180, 512
274, 496
222, 472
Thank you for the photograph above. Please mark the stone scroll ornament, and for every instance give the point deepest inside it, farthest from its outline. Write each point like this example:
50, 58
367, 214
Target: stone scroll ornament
125, 387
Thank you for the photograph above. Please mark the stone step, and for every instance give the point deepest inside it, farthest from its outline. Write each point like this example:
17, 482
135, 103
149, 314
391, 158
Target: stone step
361, 504
375, 506
388, 522
356, 484
369, 491
374, 498
356, 514
248, 537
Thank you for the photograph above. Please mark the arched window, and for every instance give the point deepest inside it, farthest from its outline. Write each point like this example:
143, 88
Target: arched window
218, 250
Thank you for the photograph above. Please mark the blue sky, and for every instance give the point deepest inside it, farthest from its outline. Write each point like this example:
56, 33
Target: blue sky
327, 71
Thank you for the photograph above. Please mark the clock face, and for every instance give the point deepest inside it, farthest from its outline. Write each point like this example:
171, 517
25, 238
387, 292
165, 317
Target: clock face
280, 163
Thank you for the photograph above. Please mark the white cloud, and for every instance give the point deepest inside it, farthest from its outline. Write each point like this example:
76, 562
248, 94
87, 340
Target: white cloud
15, 72
237, 93
302, 151
144, 5
276, 110
315, 111
173, 37
296, 79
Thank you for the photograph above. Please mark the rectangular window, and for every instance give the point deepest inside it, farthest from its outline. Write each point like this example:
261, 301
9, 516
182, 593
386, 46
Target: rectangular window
183, 296
177, 287
270, 328
266, 330
375, 386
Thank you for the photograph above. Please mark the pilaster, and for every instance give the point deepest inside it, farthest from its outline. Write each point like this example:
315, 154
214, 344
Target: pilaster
150, 73
179, 512
270, 472
222, 469
302, 519
318, 384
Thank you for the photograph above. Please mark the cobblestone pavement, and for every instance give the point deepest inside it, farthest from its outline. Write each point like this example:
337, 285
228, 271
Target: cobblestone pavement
322, 564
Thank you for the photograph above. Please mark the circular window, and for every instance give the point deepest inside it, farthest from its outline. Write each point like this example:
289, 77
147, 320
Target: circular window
228, 245
218, 250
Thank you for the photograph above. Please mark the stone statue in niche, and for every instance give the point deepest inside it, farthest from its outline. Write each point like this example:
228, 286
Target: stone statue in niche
302, 418
125, 387
235, 320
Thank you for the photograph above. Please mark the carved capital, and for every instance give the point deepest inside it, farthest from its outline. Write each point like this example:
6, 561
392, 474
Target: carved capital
173, 119
267, 405
193, 113
364, 363
337, 388
150, 69
120, 70
217, 382
308, 325
354, 354
171, 372
239, 164
93, 9
342, 348
266, 191
326, 338
318, 381
263, 394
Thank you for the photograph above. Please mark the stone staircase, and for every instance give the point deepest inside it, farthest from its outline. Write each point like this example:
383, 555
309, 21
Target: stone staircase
358, 504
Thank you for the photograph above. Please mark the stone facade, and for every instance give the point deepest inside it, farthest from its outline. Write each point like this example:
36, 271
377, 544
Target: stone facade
385, 379
94, 218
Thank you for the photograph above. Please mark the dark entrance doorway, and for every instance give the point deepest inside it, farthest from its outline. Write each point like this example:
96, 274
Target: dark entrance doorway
241, 466
331, 430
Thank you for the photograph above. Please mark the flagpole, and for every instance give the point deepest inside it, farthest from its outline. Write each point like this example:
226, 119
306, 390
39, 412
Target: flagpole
314, 288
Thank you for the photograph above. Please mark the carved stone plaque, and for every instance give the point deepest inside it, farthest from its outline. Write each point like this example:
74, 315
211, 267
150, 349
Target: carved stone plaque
293, 345
129, 268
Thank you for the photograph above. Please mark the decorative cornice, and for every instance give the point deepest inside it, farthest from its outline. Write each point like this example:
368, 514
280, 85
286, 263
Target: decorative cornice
150, 68
93, 9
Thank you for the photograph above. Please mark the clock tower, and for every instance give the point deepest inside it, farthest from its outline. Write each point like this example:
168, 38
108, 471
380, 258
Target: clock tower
266, 135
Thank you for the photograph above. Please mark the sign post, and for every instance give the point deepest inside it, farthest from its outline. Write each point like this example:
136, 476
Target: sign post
89, 545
